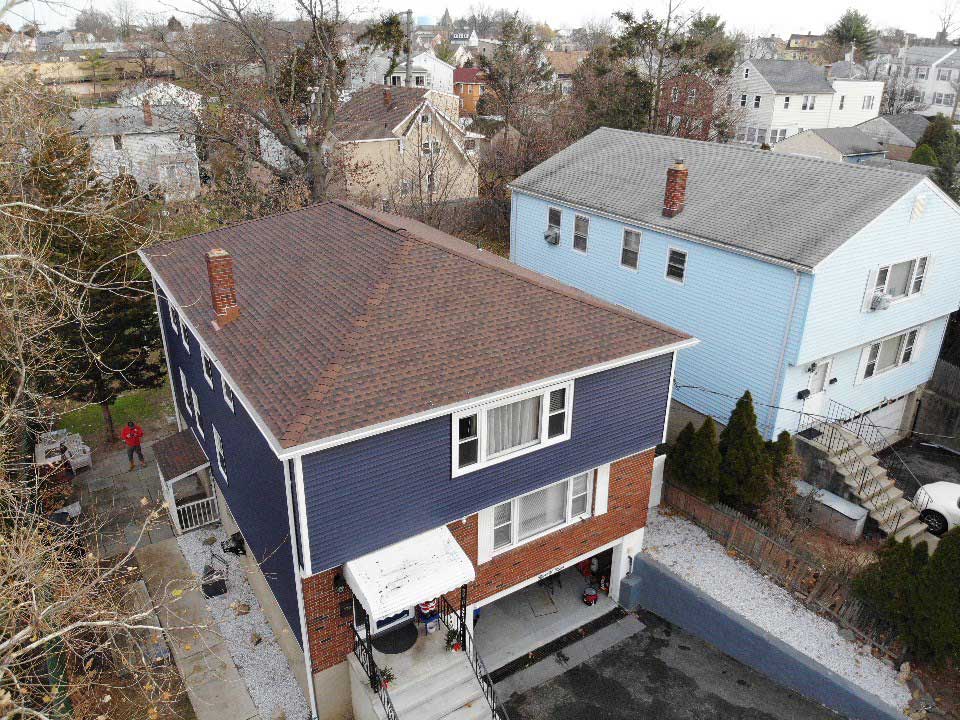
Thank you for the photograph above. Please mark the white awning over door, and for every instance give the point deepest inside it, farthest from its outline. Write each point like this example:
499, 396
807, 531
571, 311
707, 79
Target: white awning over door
411, 571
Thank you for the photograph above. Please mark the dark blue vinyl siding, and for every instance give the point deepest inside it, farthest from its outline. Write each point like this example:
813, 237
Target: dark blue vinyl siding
373, 492
255, 489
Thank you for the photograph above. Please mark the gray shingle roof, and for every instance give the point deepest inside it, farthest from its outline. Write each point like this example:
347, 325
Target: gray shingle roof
901, 165
849, 140
793, 76
844, 70
929, 55
783, 208
94, 122
910, 124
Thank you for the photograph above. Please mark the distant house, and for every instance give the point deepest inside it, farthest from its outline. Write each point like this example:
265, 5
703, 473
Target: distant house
687, 107
802, 47
564, 64
159, 92
934, 73
426, 71
400, 145
779, 98
899, 134
463, 37
469, 84
818, 286
849, 145
156, 145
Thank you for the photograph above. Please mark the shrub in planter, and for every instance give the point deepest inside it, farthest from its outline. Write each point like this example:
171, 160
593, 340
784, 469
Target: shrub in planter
452, 640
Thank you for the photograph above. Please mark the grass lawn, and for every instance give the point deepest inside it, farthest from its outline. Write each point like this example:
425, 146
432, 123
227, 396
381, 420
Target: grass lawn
150, 408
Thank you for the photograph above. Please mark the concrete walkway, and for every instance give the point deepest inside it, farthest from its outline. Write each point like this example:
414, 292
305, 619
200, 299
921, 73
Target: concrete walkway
210, 677
120, 501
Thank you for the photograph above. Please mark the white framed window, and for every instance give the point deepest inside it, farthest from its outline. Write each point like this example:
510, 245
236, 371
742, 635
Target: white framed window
691, 94
676, 265
513, 426
630, 251
756, 101
228, 397
944, 74
743, 101
809, 102
118, 142
843, 99
922, 73
185, 335
196, 412
751, 134
903, 278
221, 456
187, 393
541, 512
425, 118
761, 135
675, 94
949, 98
174, 318
786, 102
889, 353
867, 102
746, 73
581, 229
778, 135
207, 367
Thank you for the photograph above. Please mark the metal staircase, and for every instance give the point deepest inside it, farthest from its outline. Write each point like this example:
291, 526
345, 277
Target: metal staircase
852, 443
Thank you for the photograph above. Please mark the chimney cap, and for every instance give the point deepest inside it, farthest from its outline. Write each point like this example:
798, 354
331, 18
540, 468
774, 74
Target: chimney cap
678, 162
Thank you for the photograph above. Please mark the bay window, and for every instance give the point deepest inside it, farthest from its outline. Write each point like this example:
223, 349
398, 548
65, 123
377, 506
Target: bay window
491, 433
529, 516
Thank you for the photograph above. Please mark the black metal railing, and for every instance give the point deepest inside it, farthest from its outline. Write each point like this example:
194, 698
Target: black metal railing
835, 428
363, 650
455, 620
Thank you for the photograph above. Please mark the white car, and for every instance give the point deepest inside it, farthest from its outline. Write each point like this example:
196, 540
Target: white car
939, 506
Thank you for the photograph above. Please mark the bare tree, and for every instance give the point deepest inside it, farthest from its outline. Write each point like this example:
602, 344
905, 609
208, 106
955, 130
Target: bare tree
901, 94
124, 18
947, 20
594, 33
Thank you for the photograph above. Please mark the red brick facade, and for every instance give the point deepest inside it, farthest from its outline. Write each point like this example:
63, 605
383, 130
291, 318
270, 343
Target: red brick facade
628, 496
686, 107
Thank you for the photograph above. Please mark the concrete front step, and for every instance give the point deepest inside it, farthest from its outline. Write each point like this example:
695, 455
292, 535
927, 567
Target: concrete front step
877, 485
912, 532
479, 710
884, 499
433, 701
407, 692
890, 520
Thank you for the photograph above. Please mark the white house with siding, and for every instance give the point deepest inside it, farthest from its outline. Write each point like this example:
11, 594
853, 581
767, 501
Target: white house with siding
775, 99
807, 281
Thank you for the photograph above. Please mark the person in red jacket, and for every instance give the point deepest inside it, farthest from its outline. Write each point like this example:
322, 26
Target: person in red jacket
132, 435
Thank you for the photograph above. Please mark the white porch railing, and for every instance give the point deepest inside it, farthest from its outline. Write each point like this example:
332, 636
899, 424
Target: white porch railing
197, 514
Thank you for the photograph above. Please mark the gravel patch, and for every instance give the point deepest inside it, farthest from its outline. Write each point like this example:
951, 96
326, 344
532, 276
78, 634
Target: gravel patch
263, 667
689, 552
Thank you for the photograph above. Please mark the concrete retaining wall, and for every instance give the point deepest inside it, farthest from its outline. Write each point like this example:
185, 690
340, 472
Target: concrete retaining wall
653, 587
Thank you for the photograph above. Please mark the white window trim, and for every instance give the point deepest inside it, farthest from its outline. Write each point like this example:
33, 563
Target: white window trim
586, 237
204, 358
198, 416
666, 267
174, 318
865, 353
913, 276
185, 387
483, 460
228, 397
514, 514
184, 335
551, 226
218, 451
623, 237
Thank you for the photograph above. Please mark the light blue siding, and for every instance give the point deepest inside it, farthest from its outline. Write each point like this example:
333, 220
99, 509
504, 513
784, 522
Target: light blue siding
836, 318
738, 307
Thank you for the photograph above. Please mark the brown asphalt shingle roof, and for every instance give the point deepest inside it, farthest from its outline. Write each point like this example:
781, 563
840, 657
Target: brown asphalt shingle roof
179, 454
374, 112
349, 318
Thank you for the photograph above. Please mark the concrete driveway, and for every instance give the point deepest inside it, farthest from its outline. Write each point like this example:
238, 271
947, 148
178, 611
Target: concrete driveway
662, 673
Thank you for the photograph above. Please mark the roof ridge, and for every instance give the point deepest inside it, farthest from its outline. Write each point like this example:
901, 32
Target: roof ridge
518, 272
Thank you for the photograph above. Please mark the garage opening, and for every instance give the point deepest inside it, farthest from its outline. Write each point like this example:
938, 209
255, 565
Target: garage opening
547, 609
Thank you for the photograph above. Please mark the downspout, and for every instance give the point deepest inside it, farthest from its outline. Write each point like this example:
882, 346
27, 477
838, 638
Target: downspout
288, 479
778, 384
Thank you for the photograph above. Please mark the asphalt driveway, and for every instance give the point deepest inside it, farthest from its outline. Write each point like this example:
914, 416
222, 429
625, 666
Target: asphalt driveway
662, 673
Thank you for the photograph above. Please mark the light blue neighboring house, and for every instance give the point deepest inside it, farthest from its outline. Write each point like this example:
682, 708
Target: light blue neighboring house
808, 282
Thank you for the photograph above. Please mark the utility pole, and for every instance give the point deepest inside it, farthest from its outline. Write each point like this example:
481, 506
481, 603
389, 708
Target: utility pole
408, 80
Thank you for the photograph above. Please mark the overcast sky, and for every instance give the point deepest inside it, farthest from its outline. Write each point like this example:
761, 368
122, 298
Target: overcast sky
754, 16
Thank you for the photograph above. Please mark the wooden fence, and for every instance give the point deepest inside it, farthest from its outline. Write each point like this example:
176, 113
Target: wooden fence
945, 380
826, 592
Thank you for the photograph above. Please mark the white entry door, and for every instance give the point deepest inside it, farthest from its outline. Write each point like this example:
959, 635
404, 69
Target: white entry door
816, 403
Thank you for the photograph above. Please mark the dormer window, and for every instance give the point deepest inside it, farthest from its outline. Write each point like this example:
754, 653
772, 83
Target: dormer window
500, 430
746, 73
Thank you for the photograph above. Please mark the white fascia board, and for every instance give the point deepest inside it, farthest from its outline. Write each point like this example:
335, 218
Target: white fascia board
660, 229
237, 390
379, 428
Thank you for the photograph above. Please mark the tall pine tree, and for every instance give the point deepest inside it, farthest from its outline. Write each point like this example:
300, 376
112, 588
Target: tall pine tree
678, 459
703, 466
745, 469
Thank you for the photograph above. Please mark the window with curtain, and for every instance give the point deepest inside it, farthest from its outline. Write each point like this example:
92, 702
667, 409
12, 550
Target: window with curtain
542, 510
890, 353
497, 431
551, 508
513, 426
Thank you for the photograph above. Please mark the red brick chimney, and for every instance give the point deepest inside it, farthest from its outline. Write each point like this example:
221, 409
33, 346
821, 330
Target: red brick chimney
387, 97
676, 192
223, 291
147, 113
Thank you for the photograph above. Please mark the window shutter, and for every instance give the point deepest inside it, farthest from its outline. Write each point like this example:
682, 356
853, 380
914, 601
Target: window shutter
484, 535
868, 294
862, 366
602, 491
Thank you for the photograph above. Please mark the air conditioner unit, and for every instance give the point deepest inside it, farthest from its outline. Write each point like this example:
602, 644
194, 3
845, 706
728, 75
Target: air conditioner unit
880, 301
552, 237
